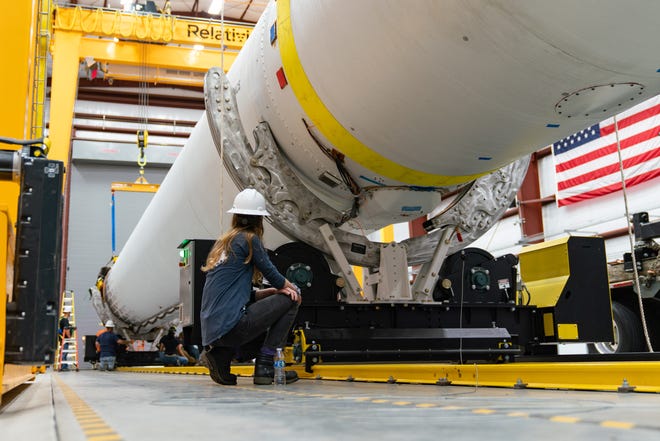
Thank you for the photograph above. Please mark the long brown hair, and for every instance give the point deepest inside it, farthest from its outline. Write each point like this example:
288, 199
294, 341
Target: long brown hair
249, 225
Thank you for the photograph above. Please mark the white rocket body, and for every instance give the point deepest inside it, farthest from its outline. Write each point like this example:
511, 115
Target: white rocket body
415, 98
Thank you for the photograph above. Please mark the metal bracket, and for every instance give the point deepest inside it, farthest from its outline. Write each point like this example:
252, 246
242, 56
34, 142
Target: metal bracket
393, 280
353, 287
430, 272
390, 281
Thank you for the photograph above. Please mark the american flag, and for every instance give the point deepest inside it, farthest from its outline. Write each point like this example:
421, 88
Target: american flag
587, 162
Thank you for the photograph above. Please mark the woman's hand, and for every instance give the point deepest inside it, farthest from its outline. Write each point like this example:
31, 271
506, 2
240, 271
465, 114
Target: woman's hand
291, 290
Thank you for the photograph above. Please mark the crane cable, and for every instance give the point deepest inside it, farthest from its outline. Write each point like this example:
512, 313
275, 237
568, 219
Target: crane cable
142, 134
630, 238
143, 103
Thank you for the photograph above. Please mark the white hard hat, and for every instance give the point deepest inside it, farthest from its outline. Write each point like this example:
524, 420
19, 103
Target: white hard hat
251, 202
66, 309
109, 324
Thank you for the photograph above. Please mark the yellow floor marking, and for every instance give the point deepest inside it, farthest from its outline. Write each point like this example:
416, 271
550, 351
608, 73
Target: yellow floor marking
564, 419
518, 414
426, 405
379, 401
90, 421
93, 426
617, 424
104, 431
401, 403
87, 416
483, 411
114, 437
363, 399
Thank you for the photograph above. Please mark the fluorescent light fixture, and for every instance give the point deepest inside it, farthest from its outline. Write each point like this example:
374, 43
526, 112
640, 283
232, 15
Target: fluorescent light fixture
216, 7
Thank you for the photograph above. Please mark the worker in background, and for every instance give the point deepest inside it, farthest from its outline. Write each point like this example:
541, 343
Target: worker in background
106, 344
232, 314
190, 351
66, 330
96, 360
171, 350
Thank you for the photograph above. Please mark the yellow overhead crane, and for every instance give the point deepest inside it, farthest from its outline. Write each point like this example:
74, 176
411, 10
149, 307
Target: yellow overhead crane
130, 38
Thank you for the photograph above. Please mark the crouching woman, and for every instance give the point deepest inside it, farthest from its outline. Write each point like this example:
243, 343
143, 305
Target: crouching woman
232, 314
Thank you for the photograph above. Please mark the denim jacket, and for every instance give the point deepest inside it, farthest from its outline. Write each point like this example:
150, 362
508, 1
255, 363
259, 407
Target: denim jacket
228, 287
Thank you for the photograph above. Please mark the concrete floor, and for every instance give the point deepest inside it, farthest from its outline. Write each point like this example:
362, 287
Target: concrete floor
103, 406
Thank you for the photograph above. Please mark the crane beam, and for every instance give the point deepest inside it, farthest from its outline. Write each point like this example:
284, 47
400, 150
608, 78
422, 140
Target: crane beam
129, 39
150, 27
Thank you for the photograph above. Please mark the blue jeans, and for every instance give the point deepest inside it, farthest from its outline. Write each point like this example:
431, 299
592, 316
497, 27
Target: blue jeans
193, 350
172, 360
107, 363
274, 315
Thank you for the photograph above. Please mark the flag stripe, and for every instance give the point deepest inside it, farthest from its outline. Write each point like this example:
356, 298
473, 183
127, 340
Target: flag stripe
609, 188
608, 170
629, 121
608, 149
608, 159
603, 181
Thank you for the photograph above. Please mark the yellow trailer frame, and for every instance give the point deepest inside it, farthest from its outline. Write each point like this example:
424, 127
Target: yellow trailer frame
621, 376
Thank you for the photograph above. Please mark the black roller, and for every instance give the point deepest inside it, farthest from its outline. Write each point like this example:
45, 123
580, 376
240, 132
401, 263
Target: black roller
473, 275
306, 267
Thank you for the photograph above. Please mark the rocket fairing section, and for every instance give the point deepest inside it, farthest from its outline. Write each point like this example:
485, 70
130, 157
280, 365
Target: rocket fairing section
379, 111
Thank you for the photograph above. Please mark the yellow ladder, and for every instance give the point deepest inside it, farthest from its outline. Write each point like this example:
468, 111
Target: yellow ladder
40, 72
67, 348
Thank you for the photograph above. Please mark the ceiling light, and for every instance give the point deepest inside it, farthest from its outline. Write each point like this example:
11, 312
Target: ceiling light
216, 7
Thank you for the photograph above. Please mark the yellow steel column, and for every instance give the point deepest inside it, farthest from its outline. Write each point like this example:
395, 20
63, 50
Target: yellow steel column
17, 54
65, 51
16, 25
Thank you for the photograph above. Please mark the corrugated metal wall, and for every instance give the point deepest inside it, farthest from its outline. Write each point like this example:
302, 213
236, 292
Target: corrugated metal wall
89, 246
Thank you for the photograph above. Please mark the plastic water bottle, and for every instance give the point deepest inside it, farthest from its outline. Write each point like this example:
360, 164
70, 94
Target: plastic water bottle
278, 366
